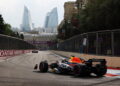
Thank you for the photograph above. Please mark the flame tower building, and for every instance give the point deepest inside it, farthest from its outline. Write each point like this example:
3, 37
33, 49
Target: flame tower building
26, 22
51, 21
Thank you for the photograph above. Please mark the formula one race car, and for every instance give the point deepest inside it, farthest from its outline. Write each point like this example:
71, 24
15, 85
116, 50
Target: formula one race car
35, 51
76, 66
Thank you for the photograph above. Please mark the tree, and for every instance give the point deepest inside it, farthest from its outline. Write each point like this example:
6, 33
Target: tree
17, 34
7, 29
100, 15
1, 24
21, 36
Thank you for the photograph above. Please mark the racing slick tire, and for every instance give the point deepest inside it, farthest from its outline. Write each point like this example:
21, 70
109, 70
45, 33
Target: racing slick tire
100, 70
43, 67
81, 70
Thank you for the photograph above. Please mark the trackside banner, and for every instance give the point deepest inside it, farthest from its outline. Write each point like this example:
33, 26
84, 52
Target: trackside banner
4, 53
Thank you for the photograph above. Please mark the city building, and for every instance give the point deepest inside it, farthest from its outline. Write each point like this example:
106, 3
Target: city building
70, 8
26, 25
51, 21
15, 29
81, 4
42, 41
46, 20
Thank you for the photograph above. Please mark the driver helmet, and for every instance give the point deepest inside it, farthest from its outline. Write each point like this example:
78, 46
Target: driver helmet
64, 60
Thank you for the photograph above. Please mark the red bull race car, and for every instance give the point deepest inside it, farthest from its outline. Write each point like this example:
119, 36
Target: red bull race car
76, 66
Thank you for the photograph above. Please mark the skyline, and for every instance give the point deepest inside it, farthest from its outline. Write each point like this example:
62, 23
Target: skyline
12, 10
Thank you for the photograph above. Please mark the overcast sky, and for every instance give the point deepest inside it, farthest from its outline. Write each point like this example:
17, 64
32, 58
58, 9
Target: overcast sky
12, 10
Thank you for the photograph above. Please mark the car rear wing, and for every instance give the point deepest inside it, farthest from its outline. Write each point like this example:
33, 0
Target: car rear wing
101, 61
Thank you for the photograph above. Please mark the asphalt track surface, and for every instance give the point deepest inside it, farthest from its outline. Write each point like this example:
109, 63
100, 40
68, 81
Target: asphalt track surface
18, 71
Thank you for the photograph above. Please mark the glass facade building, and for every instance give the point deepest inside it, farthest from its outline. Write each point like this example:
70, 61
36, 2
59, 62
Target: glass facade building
26, 23
51, 21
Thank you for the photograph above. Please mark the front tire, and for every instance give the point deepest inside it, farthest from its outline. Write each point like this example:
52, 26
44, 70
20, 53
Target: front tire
43, 67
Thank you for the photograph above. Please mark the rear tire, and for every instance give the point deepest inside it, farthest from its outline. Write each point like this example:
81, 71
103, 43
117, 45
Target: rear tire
43, 67
100, 70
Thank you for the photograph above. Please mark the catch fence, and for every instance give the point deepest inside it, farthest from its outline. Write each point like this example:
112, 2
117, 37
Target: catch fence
12, 43
100, 43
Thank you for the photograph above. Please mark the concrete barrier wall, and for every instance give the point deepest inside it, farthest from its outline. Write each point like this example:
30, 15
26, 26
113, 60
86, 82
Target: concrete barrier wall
6, 53
111, 61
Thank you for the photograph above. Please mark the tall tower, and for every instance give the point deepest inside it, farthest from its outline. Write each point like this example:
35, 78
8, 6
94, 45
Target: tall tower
26, 22
46, 20
51, 21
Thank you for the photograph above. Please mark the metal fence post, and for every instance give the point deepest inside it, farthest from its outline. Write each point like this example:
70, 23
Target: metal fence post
112, 42
97, 43
87, 43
